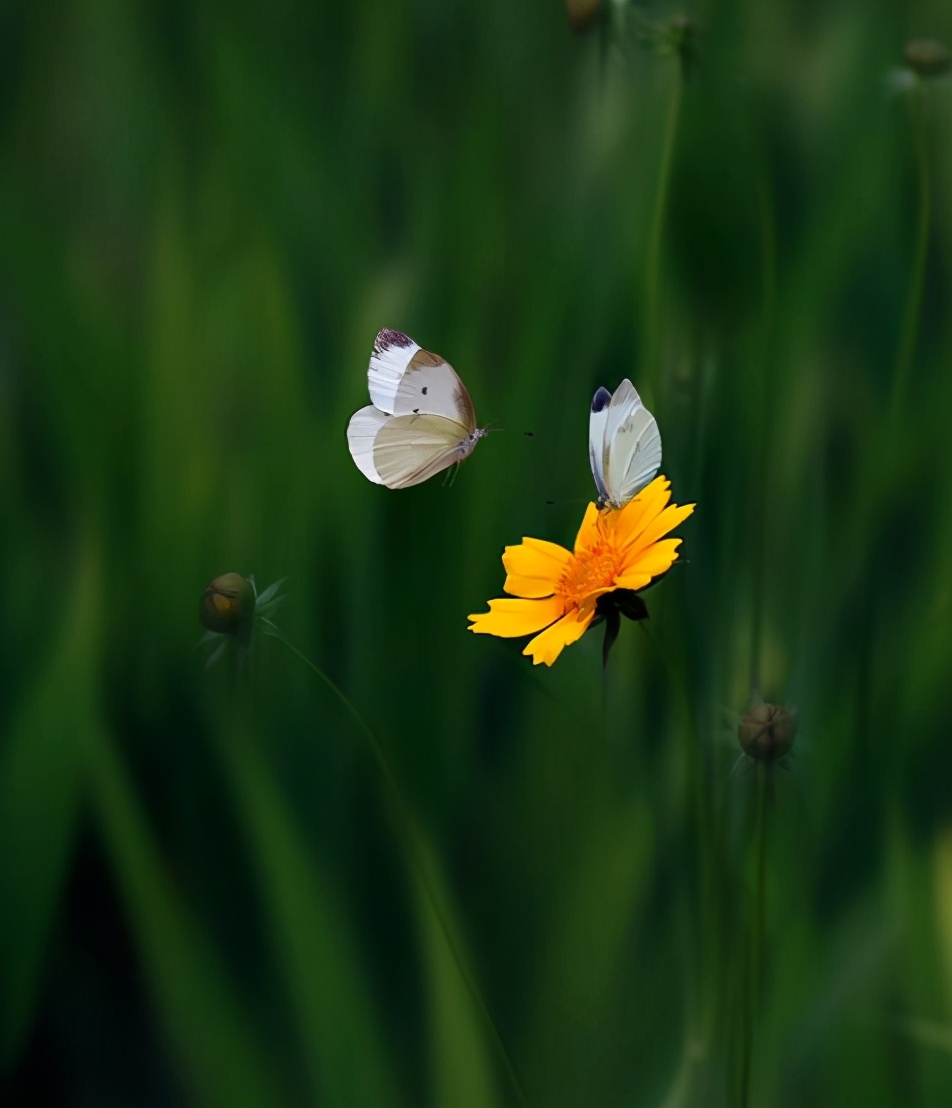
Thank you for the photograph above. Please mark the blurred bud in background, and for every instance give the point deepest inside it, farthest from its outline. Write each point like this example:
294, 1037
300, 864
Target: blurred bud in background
767, 732
927, 57
583, 13
927, 61
228, 606
625, 22
231, 608
679, 36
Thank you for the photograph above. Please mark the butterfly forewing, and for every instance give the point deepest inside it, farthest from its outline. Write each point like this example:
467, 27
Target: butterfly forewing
392, 353
430, 386
597, 424
624, 399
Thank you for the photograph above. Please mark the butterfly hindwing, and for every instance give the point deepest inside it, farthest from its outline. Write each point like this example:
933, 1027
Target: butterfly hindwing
361, 433
409, 449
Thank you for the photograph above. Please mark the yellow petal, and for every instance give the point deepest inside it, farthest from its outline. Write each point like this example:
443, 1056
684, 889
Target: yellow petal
535, 556
532, 588
657, 559
665, 522
655, 487
548, 645
534, 567
633, 581
588, 531
637, 514
511, 618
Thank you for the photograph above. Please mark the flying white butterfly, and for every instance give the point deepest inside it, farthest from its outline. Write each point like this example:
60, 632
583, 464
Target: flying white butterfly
421, 420
624, 445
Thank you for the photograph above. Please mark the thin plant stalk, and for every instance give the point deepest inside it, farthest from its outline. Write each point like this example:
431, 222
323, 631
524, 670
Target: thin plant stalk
416, 852
652, 323
913, 310
696, 800
756, 934
764, 394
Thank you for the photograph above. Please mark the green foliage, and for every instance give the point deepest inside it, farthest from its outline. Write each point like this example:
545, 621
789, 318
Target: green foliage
207, 891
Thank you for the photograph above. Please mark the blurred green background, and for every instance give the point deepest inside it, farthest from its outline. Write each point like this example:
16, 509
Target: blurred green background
209, 892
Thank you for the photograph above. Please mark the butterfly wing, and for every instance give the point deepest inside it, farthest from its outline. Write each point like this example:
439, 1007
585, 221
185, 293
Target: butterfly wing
431, 386
392, 353
632, 446
405, 379
421, 420
409, 449
597, 424
361, 434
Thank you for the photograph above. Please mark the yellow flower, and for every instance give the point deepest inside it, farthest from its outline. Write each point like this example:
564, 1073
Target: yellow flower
558, 590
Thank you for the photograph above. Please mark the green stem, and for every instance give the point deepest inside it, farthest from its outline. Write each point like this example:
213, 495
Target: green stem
913, 310
758, 916
652, 324
765, 404
705, 914
417, 853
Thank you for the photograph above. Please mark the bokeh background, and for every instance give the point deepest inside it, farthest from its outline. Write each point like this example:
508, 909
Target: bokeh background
209, 891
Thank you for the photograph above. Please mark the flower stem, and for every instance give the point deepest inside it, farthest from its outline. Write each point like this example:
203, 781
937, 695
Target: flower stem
416, 852
758, 915
652, 323
913, 309
764, 405
703, 889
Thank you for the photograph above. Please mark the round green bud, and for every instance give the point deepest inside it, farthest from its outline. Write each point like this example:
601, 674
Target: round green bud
228, 605
767, 732
927, 57
582, 13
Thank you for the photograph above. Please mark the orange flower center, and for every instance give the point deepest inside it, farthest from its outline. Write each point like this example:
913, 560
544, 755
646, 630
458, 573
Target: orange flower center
591, 569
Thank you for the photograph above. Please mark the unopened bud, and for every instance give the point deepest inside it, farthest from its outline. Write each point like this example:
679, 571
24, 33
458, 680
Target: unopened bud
927, 57
582, 13
680, 27
680, 36
767, 732
228, 605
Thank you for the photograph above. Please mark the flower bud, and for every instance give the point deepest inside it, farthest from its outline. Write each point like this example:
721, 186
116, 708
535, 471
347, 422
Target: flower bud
767, 732
680, 36
228, 606
582, 13
927, 58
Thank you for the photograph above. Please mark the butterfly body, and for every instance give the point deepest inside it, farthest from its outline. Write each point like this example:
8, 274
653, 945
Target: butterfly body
421, 420
624, 445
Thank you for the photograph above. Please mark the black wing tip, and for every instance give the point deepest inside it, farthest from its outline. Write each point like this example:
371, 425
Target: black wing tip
601, 399
387, 338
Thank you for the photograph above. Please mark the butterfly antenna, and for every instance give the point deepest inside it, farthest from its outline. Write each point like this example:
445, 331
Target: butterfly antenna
573, 500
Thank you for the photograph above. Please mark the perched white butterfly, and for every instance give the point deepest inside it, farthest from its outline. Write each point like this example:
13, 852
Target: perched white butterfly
624, 444
421, 420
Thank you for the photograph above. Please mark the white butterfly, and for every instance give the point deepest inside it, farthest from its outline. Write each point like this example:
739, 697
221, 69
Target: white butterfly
421, 420
624, 445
